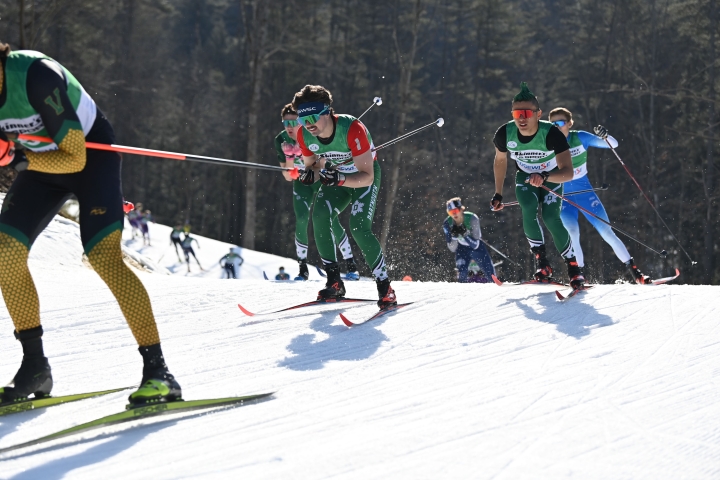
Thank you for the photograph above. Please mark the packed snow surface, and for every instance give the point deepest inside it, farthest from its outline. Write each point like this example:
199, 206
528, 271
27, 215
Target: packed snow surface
471, 381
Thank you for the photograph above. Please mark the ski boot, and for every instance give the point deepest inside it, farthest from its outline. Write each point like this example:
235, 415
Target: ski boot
34, 375
334, 286
543, 270
575, 273
352, 273
304, 274
158, 385
385, 293
637, 275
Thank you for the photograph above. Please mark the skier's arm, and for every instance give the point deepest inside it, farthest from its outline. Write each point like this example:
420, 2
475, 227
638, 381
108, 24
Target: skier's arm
557, 142
451, 241
284, 160
590, 140
472, 237
241, 260
359, 145
500, 170
47, 93
309, 158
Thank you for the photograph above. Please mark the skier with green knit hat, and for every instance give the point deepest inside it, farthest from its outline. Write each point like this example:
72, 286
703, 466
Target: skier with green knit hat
542, 156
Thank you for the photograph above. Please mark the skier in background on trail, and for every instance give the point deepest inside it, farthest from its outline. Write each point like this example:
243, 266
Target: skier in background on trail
462, 235
231, 263
133, 217
41, 97
188, 250
282, 275
144, 218
290, 155
338, 152
580, 141
542, 156
176, 240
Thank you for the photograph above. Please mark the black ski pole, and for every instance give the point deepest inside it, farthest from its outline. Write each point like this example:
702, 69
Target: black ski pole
663, 253
500, 253
692, 262
603, 188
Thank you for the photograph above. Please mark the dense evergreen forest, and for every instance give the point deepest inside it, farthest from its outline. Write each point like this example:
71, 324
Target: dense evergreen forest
209, 77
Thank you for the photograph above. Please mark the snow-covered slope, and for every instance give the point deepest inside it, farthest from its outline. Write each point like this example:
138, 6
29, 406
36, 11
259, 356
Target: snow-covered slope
471, 381
208, 253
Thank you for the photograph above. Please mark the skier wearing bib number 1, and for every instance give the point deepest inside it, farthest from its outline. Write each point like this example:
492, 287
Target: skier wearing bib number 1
337, 151
290, 155
542, 155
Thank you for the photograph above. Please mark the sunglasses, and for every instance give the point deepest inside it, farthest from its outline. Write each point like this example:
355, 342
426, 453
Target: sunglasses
454, 211
524, 113
312, 119
559, 123
290, 123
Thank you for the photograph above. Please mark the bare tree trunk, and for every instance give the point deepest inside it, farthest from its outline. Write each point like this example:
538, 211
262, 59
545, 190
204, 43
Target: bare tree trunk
256, 35
710, 167
21, 23
406, 68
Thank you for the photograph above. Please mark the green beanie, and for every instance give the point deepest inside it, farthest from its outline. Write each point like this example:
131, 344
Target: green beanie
525, 94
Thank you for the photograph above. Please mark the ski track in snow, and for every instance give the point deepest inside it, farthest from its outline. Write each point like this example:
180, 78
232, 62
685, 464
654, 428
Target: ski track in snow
471, 381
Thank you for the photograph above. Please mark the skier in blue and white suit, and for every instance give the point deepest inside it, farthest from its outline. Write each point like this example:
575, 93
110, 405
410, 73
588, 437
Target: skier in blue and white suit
462, 234
580, 141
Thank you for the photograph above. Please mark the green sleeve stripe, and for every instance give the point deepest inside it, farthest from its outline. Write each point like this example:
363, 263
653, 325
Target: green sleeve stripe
101, 235
16, 234
66, 126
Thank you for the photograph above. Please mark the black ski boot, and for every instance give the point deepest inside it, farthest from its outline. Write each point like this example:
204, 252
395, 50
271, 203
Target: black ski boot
158, 385
304, 274
637, 275
385, 293
543, 270
34, 375
334, 287
352, 271
575, 273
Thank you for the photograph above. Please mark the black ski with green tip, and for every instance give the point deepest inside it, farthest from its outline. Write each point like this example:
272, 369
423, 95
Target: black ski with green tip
139, 413
44, 402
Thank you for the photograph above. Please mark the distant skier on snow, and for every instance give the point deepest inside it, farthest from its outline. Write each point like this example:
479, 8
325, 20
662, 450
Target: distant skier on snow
462, 235
282, 275
176, 239
231, 263
188, 250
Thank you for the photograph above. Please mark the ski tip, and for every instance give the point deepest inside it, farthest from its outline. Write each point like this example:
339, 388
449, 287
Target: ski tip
677, 272
346, 321
265, 276
246, 311
496, 280
559, 295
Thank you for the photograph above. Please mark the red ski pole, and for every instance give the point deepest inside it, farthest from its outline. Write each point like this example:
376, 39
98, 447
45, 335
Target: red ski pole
294, 173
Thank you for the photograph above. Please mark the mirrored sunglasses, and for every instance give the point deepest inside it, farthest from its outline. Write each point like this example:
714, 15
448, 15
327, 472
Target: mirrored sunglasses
290, 123
454, 211
559, 123
312, 119
523, 113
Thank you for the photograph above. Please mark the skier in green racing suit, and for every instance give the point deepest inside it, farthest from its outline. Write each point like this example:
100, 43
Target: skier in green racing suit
290, 156
338, 152
542, 155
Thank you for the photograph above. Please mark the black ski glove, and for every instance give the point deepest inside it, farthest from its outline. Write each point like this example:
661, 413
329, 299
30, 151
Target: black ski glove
307, 177
331, 178
458, 230
601, 132
496, 201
